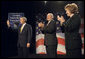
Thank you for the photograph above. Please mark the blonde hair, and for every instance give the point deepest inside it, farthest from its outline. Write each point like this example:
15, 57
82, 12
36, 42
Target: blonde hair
73, 8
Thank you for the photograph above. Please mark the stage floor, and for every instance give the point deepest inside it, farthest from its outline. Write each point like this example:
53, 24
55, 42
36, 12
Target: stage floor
43, 56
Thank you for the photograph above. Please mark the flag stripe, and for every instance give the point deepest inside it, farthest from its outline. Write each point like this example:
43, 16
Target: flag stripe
59, 52
40, 42
61, 41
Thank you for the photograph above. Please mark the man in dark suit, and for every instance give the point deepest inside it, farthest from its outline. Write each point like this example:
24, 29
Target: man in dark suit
24, 37
49, 30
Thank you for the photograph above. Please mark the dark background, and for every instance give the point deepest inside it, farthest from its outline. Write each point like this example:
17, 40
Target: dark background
31, 9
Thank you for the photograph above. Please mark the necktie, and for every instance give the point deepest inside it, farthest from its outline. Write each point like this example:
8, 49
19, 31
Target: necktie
21, 28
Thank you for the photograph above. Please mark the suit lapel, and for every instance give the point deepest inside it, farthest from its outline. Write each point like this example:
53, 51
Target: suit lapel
50, 23
24, 27
19, 28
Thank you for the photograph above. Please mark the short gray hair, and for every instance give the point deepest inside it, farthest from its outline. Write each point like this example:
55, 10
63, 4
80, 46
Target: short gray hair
51, 14
24, 18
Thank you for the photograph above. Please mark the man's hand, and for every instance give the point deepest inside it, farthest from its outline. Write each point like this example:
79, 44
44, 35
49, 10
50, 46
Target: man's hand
41, 24
8, 23
28, 45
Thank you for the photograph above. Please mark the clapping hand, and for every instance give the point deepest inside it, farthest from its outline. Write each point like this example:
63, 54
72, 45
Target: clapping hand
61, 19
41, 24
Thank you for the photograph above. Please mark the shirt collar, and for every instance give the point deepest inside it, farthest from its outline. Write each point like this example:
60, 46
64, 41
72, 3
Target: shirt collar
24, 24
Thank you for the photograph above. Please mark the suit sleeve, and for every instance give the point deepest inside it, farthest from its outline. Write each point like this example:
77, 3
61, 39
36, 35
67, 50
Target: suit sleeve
72, 24
29, 33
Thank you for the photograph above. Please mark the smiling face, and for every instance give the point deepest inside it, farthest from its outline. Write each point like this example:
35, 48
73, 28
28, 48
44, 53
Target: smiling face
22, 21
49, 16
71, 9
68, 12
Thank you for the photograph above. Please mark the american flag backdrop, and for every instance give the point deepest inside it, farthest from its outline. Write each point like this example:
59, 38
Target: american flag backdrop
41, 49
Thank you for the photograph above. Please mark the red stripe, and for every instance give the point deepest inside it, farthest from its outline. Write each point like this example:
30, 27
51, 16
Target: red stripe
82, 46
40, 42
82, 35
82, 26
61, 41
59, 52
42, 53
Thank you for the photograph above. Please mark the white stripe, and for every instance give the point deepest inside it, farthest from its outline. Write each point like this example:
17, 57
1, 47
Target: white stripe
40, 48
82, 21
61, 48
61, 35
39, 37
82, 50
82, 40
81, 30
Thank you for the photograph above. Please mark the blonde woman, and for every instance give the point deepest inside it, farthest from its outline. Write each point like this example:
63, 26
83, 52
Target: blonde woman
71, 27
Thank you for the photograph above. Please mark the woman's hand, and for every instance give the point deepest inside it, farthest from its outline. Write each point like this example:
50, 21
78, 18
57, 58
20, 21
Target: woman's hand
61, 19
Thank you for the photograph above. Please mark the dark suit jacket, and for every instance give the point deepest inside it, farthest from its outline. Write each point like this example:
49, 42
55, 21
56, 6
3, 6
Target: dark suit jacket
72, 36
50, 33
25, 36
